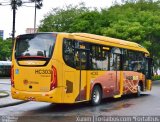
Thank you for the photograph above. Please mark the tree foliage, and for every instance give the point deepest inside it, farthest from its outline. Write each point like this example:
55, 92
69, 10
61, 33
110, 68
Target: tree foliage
5, 49
133, 20
61, 19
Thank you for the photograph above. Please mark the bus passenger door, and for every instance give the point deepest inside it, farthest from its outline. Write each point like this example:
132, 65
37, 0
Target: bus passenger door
148, 72
81, 58
117, 63
115, 66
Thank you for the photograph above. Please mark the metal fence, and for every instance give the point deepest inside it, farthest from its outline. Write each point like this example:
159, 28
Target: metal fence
5, 67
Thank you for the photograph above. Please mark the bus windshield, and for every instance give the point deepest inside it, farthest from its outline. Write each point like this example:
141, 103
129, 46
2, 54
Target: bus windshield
35, 45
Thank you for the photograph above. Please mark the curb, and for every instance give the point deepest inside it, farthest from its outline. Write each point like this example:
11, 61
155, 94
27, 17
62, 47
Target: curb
5, 83
12, 104
5, 77
3, 94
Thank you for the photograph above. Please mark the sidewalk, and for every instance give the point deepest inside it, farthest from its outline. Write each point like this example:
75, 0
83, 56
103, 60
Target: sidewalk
5, 95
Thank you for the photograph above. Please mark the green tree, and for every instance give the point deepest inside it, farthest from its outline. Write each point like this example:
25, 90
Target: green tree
5, 49
134, 20
88, 22
61, 19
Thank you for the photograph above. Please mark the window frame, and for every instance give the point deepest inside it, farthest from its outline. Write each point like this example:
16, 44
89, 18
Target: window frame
124, 55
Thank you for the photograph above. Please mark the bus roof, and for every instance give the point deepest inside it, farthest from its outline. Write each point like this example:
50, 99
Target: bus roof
112, 42
108, 41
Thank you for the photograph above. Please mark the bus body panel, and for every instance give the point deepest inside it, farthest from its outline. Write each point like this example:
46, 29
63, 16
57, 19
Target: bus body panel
75, 90
111, 83
69, 87
73, 84
51, 96
131, 80
107, 80
40, 88
81, 85
32, 79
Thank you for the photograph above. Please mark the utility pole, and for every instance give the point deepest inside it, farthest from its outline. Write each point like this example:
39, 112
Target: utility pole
17, 3
14, 7
35, 14
38, 5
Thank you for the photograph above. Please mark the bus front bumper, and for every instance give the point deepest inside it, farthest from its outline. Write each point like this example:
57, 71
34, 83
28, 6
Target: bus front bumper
51, 96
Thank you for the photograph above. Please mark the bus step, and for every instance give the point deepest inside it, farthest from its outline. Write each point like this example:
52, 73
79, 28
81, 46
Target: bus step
117, 96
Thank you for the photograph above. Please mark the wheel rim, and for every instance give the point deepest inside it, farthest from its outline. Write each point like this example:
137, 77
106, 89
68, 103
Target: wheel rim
96, 96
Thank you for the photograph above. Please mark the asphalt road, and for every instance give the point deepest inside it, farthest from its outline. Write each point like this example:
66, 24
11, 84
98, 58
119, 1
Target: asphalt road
146, 105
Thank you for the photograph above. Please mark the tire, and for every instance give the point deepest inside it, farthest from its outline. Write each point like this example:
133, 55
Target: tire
96, 95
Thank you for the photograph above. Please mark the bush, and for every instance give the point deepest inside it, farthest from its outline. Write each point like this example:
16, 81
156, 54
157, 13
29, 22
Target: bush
156, 77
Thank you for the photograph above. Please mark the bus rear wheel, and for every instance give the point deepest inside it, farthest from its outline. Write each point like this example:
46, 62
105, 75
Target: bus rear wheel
96, 95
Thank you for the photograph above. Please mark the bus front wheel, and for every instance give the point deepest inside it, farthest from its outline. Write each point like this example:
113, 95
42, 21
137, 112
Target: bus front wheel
96, 95
138, 94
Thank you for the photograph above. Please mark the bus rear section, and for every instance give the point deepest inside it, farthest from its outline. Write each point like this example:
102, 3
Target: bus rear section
34, 71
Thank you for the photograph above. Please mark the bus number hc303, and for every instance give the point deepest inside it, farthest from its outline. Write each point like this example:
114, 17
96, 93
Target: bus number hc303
43, 71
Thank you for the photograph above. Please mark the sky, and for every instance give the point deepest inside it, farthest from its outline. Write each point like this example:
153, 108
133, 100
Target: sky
25, 15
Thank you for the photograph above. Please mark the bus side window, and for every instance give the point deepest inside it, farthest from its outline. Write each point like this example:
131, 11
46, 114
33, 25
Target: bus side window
97, 57
135, 61
84, 60
125, 61
105, 56
68, 52
111, 61
115, 59
81, 60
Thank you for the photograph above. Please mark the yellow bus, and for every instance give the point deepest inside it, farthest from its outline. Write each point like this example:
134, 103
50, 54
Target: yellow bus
76, 67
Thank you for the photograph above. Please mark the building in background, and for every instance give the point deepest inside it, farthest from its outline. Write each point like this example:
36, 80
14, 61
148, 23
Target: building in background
1, 34
31, 30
